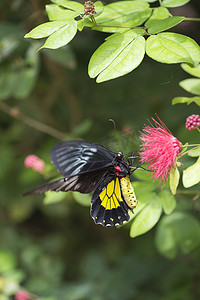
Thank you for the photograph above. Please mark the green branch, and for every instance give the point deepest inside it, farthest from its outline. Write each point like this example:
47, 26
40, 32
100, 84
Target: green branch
192, 19
15, 113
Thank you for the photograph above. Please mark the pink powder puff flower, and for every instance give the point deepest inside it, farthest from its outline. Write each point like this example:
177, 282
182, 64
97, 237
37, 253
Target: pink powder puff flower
34, 162
22, 295
159, 149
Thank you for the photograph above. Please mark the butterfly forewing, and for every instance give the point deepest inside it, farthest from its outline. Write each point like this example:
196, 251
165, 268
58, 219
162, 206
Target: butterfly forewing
108, 207
83, 183
77, 157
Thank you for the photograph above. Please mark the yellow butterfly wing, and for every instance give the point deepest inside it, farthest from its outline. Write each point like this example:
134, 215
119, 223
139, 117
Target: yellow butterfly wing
108, 207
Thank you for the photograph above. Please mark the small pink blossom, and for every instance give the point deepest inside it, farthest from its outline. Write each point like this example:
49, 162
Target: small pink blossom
34, 162
30, 160
22, 295
192, 122
38, 166
159, 149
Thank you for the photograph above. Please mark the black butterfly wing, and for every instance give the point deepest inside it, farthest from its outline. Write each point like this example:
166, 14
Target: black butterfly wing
72, 158
108, 207
83, 183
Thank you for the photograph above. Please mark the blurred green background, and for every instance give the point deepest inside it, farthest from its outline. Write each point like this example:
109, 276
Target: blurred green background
56, 251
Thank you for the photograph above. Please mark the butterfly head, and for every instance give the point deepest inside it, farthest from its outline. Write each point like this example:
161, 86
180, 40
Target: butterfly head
121, 166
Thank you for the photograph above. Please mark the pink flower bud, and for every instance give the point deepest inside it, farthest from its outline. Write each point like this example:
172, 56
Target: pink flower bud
34, 162
22, 295
30, 160
192, 122
38, 166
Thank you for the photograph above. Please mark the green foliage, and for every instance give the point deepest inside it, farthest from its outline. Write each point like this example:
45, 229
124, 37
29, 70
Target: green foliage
148, 216
191, 175
160, 25
174, 3
190, 85
124, 50
174, 179
17, 74
178, 231
173, 48
149, 209
120, 54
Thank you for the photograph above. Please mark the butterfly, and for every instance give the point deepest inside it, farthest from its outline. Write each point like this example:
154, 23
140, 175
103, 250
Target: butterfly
88, 167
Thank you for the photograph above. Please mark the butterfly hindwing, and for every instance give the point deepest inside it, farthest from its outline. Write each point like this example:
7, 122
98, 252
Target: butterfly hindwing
108, 207
83, 183
77, 157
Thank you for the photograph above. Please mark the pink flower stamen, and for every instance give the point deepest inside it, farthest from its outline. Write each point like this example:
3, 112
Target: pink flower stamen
159, 149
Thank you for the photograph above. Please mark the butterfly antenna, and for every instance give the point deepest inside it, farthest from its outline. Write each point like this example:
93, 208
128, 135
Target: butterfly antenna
111, 120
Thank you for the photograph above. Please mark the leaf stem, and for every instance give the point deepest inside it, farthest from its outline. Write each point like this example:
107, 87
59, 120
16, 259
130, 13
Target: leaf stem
118, 26
192, 19
186, 192
194, 145
93, 20
197, 129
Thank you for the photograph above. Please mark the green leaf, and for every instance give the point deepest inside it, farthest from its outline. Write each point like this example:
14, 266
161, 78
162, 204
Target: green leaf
122, 12
144, 197
62, 36
133, 20
191, 175
73, 5
179, 230
53, 197
174, 3
81, 24
144, 187
144, 193
164, 24
169, 47
191, 70
174, 179
186, 100
83, 199
26, 81
17, 78
45, 29
147, 218
194, 152
7, 261
168, 202
56, 12
99, 7
158, 13
125, 62
150, 1
117, 56
184, 148
191, 85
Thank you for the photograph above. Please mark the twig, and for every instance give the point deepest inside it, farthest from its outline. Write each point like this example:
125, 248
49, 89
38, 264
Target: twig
15, 113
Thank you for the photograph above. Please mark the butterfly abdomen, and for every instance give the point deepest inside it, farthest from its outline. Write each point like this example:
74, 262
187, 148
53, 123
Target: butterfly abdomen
128, 192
